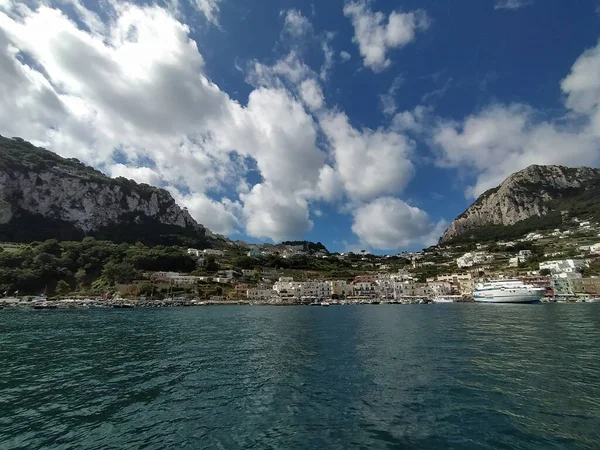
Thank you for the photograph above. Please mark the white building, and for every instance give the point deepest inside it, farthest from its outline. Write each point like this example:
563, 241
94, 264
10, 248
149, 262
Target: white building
287, 287
564, 266
412, 289
595, 248
227, 274
185, 280
521, 257
365, 289
472, 258
259, 293
194, 252
213, 251
440, 288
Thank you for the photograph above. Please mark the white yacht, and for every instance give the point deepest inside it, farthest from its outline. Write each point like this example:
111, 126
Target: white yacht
507, 291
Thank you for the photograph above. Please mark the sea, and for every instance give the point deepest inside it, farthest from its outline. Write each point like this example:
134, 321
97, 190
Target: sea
445, 376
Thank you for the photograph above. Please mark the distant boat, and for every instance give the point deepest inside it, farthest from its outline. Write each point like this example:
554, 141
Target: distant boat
324, 304
507, 291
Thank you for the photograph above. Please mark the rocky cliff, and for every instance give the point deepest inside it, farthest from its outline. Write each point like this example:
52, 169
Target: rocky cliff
44, 196
532, 192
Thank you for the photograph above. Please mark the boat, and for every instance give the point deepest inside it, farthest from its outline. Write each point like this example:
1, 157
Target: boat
507, 291
324, 304
442, 300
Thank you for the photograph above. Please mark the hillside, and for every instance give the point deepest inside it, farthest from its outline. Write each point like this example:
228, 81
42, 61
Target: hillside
538, 197
44, 196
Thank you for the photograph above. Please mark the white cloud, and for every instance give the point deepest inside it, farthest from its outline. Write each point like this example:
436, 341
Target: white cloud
582, 85
370, 162
290, 68
376, 35
414, 121
330, 186
210, 9
194, 135
502, 139
270, 215
390, 223
328, 54
512, 4
345, 55
139, 174
144, 93
311, 94
388, 100
295, 24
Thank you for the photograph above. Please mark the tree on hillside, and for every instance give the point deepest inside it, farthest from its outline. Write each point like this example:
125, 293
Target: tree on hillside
62, 287
80, 277
211, 264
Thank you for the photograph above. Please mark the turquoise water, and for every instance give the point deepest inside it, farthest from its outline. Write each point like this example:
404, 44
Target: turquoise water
387, 376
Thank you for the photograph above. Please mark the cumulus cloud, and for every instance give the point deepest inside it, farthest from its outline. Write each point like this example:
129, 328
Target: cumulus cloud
272, 216
345, 55
222, 217
512, 4
376, 35
390, 223
193, 134
370, 163
143, 107
502, 139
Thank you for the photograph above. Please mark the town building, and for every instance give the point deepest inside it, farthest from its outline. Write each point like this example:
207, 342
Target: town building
440, 288
563, 266
261, 293
341, 288
365, 289
213, 251
590, 286
562, 286
473, 258
241, 289
412, 289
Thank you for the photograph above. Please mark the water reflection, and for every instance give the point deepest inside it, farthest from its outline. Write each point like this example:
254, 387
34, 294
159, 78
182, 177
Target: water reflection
440, 376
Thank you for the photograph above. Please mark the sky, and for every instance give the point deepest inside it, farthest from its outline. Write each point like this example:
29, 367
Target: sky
360, 124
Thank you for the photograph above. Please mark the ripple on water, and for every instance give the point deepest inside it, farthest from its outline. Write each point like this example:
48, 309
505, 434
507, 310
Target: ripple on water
441, 376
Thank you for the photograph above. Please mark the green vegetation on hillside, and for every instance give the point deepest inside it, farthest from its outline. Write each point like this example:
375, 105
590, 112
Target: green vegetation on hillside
34, 267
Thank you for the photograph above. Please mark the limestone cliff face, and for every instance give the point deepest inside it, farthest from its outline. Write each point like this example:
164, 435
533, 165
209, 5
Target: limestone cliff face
88, 205
38, 183
522, 195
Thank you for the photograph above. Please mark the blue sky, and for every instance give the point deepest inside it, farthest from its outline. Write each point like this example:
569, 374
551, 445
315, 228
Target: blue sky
360, 124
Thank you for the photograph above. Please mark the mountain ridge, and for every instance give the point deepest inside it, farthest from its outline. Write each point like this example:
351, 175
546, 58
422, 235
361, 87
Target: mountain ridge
43, 195
535, 192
